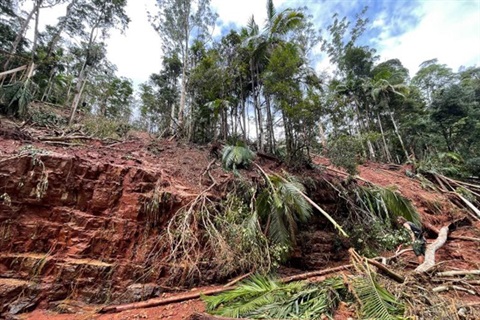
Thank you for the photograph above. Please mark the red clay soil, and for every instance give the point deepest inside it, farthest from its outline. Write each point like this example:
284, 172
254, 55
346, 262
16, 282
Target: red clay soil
79, 236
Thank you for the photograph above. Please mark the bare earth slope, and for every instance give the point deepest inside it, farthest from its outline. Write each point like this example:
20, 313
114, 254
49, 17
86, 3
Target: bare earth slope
75, 230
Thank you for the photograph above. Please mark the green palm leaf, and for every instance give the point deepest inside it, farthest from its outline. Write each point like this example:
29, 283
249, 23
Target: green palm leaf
376, 302
262, 297
387, 204
234, 157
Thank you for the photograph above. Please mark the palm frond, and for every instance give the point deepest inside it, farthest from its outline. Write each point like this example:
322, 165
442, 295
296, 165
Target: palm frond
271, 12
282, 205
376, 302
262, 297
15, 98
234, 157
387, 204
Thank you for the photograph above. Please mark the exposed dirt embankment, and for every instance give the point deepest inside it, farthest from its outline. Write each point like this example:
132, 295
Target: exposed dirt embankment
81, 225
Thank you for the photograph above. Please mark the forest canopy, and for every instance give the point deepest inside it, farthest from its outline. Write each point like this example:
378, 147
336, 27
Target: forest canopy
257, 84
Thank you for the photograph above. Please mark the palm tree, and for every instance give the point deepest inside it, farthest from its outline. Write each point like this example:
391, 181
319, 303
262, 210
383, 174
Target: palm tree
261, 45
381, 93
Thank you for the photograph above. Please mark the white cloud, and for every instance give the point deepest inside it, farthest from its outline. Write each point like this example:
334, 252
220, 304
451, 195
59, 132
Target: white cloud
239, 12
448, 30
137, 53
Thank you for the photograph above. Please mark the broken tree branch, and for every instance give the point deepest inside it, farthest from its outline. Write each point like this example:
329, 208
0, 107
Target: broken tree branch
430, 254
318, 273
64, 138
458, 273
237, 279
395, 276
446, 288
161, 301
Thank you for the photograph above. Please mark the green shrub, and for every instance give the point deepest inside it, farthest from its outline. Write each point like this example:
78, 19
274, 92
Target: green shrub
15, 98
344, 152
473, 166
105, 128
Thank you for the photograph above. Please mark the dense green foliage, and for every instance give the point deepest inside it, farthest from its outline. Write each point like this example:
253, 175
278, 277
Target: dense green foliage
255, 83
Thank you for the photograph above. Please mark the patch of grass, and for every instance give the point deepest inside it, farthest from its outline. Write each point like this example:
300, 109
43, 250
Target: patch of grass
157, 206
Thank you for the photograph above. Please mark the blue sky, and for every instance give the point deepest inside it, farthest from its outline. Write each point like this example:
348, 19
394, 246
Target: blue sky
410, 30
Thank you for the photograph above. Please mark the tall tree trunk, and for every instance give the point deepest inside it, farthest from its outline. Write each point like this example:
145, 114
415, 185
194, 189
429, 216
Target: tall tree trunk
21, 33
323, 138
183, 92
363, 128
62, 25
78, 93
48, 89
385, 146
270, 131
35, 34
244, 117
398, 134
258, 111
83, 75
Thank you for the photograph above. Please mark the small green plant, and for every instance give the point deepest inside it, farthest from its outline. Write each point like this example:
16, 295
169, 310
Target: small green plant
15, 98
344, 152
473, 166
45, 118
154, 207
374, 237
467, 194
236, 157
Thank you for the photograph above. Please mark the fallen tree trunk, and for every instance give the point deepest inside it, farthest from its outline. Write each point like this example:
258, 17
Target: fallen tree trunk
312, 274
450, 236
395, 276
430, 253
206, 316
161, 301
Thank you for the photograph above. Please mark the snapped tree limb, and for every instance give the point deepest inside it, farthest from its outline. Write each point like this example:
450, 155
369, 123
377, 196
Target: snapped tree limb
430, 253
